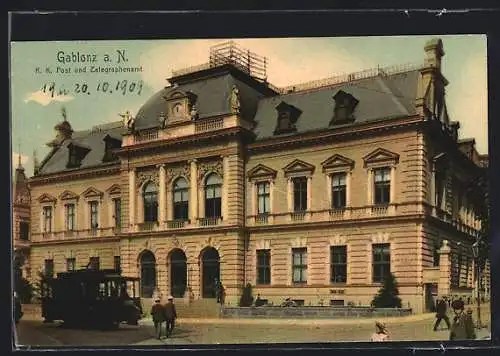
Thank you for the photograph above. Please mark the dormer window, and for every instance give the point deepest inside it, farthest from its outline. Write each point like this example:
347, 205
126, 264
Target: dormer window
343, 112
179, 106
76, 155
287, 117
111, 144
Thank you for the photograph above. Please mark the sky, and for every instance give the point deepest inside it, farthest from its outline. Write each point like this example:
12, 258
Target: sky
35, 112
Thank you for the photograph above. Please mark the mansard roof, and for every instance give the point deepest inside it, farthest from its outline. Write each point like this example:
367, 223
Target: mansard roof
94, 140
379, 97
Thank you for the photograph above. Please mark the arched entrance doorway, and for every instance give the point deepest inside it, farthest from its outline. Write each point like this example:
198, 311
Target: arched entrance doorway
178, 273
148, 274
210, 263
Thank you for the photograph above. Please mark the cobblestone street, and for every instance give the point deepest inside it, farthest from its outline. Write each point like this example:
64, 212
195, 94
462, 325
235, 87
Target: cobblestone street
192, 331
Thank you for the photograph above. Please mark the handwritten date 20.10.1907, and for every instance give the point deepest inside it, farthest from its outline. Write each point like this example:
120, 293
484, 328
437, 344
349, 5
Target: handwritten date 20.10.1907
123, 87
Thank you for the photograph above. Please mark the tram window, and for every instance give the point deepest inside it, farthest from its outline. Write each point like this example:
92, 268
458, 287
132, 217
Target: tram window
102, 289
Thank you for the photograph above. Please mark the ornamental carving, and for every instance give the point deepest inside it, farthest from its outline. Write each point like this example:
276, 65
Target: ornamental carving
206, 167
143, 177
178, 171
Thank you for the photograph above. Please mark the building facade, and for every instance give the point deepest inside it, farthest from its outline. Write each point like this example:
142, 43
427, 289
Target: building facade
314, 192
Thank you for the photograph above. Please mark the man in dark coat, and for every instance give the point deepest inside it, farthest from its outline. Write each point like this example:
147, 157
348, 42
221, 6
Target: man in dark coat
441, 308
158, 314
463, 325
170, 315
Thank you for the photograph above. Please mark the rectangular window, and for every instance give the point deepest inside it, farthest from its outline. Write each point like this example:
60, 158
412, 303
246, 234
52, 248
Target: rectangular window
94, 263
300, 194
381, 255
440, 184
263, 267
181, 204
263, 198
436, 255
49, 268
299, 261
382, 186
338, 191
117, 212
24, 230
94, 217
338, 264
70, 217
47, 219
70, 264
117, 263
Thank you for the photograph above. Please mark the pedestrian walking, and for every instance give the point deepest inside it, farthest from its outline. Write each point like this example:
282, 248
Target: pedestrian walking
158, 314
170, 315
441, 309
381, 334
463, 325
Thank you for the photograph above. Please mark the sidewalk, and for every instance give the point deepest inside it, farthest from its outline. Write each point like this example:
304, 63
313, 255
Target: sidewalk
262, 321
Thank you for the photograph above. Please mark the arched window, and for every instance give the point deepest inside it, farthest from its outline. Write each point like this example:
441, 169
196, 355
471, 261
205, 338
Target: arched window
213, 187
148, 274
150, 196
181, 200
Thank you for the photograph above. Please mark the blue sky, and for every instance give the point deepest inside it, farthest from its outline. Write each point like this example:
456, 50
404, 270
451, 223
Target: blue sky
291, 61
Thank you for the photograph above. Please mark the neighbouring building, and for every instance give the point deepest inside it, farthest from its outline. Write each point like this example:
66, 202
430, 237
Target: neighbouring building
20, 224
314, 192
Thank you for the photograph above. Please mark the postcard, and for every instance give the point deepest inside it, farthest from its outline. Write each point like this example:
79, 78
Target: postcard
247, 191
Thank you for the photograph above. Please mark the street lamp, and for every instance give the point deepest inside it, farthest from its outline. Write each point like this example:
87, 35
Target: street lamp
475, 252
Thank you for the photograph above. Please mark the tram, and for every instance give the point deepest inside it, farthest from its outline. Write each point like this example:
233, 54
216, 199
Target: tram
88, 297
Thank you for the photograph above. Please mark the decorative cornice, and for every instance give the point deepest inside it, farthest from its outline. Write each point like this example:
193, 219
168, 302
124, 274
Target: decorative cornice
298, 166
46, 198
333, 135
212, 166
182, 170
74, 175
337, 161
381, 155
67, 195
261, 171
92, 192
115, 189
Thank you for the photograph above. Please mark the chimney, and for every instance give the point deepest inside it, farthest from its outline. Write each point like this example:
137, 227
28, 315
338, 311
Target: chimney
433, 53
430, 101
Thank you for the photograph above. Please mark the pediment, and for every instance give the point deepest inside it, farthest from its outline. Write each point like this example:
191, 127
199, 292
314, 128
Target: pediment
381, 155
92, 192
298, 166
260, 171
46, 198
115, 189
67, 195
337, 161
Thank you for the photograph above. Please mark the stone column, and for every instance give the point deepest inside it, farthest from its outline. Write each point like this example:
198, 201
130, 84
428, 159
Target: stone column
309, 193
392, 193
161, 191
329, 190
131, 198
225, 188
271, 200
444, 286
193, 190
290, 195
253, 199
369, 191
432, 199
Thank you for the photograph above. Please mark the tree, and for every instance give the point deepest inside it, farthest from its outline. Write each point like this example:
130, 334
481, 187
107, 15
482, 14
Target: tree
387, 296
246, 299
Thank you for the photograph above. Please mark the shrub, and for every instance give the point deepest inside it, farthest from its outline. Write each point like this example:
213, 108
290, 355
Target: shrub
387, 296
24, 291
246, 299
